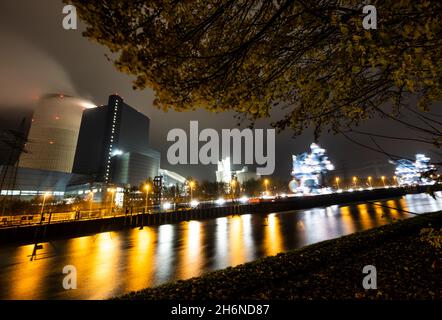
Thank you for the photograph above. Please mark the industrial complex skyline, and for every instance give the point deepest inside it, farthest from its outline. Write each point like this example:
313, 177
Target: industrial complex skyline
75, 66
224, 157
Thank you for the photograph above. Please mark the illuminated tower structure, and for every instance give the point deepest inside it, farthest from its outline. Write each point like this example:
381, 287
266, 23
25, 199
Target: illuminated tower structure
53, 134
113, 145
225, 174
308, 170
413, 172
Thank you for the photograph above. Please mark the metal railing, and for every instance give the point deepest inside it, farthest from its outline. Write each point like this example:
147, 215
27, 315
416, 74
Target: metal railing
59, 217
47, 217
101, 213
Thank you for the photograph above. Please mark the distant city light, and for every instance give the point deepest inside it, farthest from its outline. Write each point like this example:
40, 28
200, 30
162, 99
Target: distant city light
194, 203
244, 199
167, 206
220, 201
117, 152
87, 104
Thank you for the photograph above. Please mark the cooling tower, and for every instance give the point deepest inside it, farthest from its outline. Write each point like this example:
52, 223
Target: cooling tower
54, 132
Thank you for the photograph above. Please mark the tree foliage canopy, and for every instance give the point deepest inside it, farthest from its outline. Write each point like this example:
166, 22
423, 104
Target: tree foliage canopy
314, 59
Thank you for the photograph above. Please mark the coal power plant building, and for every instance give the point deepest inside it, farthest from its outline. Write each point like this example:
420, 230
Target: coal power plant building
113, 145
44, 164
53, 134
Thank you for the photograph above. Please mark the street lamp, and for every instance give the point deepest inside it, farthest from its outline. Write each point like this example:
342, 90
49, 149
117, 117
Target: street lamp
383, 181
191, 185
233, 185
266, 183
147, 188
369, 181
337, 182
112, 191
395, 180
355, 181
43, 204
92, 200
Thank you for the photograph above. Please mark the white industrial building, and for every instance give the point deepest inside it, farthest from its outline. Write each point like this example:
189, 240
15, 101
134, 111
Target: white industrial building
53, 135
225, 174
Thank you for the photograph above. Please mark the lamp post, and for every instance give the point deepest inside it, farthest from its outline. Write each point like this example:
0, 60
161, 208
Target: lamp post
43, 205
266, 184
395, 180
191, 185
337, 182
92, 201
112, 191
233, 185
383, 181
369, 182
147, 188
355, 181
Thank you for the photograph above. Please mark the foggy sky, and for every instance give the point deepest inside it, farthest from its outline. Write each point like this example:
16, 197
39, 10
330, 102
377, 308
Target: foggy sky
22, 78
37, 54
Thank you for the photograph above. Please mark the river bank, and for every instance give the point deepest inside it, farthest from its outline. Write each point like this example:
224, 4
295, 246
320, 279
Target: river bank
47, 231
408, 267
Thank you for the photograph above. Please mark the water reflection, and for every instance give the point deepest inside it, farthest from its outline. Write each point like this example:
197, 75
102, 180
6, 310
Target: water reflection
273, 238
221, 243
247, 239
26, 281
112, 263
143, 258
165, 252
104, 260
347, 220
191, 251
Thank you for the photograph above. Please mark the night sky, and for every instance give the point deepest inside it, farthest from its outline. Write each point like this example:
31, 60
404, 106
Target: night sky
38, 56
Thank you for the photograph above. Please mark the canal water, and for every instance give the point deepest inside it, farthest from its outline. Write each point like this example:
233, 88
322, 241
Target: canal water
113, 263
